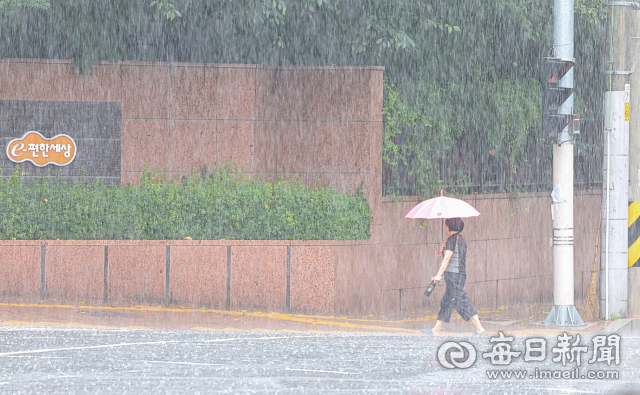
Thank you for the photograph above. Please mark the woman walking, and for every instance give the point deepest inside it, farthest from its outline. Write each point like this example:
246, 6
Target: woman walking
453, 268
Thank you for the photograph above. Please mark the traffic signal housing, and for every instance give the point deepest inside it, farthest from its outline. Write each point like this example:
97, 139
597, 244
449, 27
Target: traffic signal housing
553, 96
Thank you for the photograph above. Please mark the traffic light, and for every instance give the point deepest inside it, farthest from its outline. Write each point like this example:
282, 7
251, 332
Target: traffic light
553, 70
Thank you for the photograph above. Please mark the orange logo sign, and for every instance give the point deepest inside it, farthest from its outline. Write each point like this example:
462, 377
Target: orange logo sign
34, 147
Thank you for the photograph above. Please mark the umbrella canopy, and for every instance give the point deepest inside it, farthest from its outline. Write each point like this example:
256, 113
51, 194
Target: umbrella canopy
442, 207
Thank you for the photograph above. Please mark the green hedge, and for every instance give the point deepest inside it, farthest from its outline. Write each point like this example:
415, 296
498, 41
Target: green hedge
223, 204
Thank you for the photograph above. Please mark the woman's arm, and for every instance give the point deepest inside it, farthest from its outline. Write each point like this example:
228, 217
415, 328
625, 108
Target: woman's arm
443, 266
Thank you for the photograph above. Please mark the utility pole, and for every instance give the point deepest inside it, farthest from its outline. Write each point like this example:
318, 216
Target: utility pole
614, 273
559, 124
633, 257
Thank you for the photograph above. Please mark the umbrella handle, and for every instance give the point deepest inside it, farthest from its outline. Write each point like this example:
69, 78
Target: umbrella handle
437, 253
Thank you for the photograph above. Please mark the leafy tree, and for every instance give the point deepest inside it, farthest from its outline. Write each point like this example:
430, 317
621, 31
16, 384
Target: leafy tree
8, 7
456, 70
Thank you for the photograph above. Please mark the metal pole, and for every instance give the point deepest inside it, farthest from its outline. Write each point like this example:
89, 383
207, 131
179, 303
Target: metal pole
563, 312
633, 46
614, 276
606, 297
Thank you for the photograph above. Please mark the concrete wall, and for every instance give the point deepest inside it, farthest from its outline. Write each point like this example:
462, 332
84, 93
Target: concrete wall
509, 261
95, 127
258, 275
320, 123
317, 122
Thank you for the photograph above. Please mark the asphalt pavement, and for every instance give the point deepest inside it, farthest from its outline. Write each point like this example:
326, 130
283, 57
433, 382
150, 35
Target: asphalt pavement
64, 360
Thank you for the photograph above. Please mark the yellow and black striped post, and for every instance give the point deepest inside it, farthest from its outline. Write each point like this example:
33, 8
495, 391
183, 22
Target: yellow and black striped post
634, 234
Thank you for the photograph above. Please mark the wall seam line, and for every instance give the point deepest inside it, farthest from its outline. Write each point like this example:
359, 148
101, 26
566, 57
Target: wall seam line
228, 301
105, 290
167, 290
288, 303
255, 107
43, 284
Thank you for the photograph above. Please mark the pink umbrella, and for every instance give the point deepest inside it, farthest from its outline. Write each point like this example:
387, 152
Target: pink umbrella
442, 207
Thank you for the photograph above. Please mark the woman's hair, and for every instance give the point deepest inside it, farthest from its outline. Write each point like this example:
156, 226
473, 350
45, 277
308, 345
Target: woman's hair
454, 224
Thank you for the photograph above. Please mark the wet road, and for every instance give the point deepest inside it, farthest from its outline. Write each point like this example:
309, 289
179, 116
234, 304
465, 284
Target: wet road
79, 360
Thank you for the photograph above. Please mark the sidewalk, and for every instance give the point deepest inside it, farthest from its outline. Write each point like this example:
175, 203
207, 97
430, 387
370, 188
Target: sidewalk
512, 321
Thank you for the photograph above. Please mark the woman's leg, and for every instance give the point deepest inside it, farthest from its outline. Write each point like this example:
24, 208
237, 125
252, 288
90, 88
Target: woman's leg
446, 305
463, 304
476, 322
437, 327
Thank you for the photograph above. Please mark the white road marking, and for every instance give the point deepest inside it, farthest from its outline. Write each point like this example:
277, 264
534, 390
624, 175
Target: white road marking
184, 363
84, 348
319, 371
256, 338
5, 354
34, 357
568, 390
104, 334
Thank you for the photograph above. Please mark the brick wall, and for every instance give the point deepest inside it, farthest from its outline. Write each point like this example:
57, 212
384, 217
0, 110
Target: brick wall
259, 275
319, 123
509, 261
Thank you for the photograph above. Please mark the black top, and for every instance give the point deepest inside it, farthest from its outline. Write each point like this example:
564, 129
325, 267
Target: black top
457, 245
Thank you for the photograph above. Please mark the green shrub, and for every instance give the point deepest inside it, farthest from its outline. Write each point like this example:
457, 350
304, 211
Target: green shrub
205, 206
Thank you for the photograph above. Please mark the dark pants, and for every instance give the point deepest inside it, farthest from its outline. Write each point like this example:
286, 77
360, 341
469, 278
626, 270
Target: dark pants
455, 298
